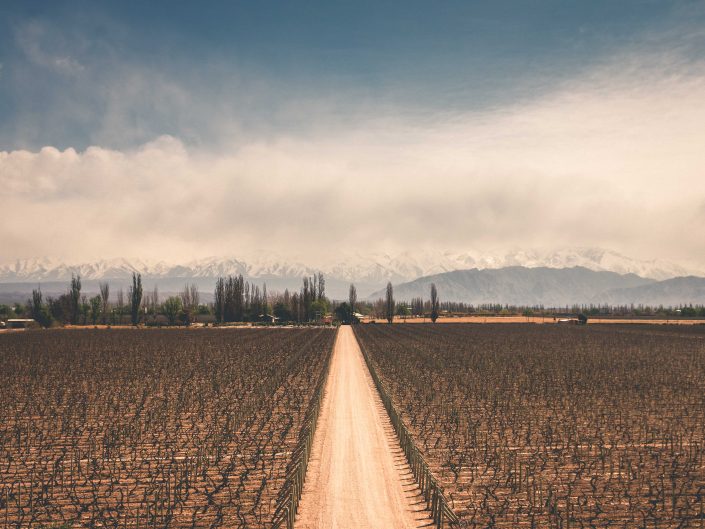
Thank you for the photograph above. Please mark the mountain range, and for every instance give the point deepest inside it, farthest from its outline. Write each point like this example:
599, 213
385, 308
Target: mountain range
552, 287
369, 272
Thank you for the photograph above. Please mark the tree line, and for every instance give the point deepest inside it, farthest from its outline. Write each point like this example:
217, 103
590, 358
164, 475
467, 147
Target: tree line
238, 300
74, 308
235, 300
388, 308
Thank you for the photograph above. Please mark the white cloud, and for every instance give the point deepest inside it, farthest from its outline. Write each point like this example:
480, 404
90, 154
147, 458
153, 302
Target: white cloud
613, 159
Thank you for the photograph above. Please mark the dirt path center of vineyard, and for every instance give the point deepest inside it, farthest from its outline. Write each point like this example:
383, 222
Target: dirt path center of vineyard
358, 477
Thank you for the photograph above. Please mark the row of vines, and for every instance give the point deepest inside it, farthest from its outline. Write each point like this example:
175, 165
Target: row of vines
551, 426
152, 428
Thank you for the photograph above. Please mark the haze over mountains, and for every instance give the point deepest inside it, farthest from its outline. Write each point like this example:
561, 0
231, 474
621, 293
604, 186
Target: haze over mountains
530, 275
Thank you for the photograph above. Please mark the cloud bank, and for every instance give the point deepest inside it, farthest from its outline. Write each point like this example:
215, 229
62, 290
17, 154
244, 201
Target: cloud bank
612, 158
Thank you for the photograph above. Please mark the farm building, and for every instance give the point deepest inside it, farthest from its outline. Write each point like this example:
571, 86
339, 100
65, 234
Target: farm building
580, 320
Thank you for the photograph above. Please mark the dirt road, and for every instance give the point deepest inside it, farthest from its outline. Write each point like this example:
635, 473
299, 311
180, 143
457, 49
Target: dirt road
358, 477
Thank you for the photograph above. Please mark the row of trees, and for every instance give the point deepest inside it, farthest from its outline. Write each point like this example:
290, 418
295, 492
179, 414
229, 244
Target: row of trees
347, 312
388, 308
236, 299
310, 304
75, 308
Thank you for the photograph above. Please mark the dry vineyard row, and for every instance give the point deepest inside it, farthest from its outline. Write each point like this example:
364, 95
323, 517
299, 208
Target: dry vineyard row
155, 429
502, 426
537, 426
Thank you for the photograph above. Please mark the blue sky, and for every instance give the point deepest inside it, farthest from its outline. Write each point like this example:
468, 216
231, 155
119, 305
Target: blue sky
257, 61
252, 124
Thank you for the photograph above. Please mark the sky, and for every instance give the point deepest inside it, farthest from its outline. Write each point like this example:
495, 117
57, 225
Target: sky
177, 130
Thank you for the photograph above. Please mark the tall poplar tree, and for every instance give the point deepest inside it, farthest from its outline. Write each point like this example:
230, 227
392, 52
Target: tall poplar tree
352, 299
135, 295
434, 303
389, 303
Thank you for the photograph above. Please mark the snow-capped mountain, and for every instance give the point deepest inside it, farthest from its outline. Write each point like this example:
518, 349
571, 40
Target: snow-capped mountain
368, 269
597, 259
46, 269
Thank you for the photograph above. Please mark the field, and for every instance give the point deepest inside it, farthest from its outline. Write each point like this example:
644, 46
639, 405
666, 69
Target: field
152, 428
554, 426
523, 425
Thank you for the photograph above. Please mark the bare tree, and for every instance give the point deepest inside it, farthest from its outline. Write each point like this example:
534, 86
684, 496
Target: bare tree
321, 286
135, 295
104, 298
95, 302
306, 299
185, 296
189, 296
389, 303
313, 285
296, 305
434, 303
120, 304
417, 306
379, 308
189, 300
195, 296
230, 307
352, 299
219, 300
75, 298
232, 298
247, 300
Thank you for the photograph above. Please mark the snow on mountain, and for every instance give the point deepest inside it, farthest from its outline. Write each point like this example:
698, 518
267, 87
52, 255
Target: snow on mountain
371, 269
596, 259
45, 269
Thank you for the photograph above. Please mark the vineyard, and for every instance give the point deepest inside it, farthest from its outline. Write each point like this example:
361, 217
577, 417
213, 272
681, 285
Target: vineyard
137, 428
553, 427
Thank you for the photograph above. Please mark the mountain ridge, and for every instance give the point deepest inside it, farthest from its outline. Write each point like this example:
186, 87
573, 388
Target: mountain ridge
404, 266
552, 287
368, 272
